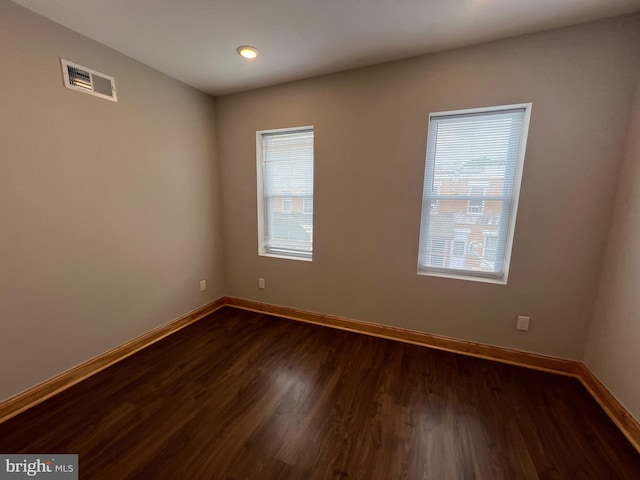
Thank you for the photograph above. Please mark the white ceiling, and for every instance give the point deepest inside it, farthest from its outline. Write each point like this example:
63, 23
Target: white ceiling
195, 40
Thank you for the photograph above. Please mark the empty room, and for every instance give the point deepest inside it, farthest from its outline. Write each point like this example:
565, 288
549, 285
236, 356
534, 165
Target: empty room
320, 240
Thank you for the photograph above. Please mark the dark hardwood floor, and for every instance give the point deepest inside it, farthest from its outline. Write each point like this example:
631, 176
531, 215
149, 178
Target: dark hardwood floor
241, 395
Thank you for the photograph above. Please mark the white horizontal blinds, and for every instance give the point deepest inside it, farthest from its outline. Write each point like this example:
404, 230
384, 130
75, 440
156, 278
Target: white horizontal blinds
288, 192
470, 176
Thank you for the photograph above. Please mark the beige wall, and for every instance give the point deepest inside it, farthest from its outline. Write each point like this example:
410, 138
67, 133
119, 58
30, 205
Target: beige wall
370, 135
613, 347
109, 212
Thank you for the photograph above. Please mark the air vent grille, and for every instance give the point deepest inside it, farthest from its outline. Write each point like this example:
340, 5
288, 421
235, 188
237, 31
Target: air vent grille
83, 79
79, 78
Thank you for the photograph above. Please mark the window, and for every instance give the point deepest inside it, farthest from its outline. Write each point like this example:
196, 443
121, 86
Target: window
287, 201
434, 201
490, 247
285, 193
476, 199
459, 249
437, 252
473, 171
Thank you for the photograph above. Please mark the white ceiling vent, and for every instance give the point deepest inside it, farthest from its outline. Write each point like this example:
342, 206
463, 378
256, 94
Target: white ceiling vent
83, 79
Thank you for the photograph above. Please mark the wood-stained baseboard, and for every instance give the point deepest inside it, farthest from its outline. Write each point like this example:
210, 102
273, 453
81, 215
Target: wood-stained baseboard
500, 354
625, 421
39, 393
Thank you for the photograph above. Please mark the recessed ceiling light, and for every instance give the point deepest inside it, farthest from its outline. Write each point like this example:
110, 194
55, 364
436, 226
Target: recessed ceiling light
247, 51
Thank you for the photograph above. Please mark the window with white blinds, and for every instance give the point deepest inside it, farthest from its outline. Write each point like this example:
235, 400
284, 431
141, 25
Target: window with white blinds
285, 193
471, 185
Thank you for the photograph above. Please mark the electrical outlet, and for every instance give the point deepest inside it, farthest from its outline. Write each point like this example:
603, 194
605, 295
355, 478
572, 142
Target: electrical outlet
523, 323
203, 285
261, 283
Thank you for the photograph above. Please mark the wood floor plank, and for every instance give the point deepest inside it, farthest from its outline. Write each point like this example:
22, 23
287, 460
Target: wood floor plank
243, 396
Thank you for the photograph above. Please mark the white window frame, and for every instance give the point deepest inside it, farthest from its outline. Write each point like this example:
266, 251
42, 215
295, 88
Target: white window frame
263, 249
428, 198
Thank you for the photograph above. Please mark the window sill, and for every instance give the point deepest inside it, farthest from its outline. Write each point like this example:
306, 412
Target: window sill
501, 280
285, 257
